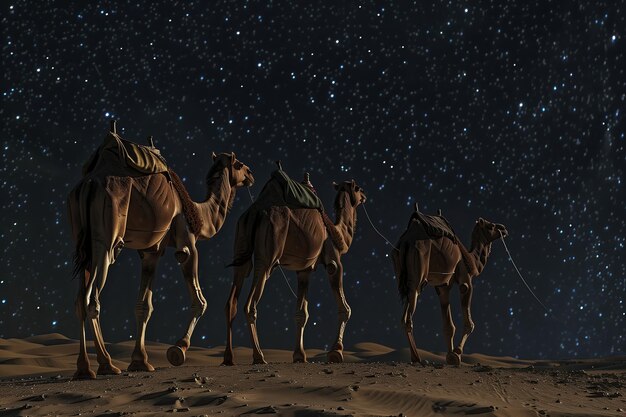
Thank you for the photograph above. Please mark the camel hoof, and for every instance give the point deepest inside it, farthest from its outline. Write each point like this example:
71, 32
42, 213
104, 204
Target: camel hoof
108, 369
140, 366
259, 361
299, 357
453, 358
335, 356
83, 374
228, 358
176, 355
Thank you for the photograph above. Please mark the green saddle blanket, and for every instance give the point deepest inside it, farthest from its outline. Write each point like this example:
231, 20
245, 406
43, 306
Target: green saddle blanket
281, 190
143, 159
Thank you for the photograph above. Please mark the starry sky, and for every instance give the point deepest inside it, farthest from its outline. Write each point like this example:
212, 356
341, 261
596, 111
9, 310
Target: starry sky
513, 111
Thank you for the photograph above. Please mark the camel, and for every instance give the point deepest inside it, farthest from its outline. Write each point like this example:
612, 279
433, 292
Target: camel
420, 259
116, 206
298, 240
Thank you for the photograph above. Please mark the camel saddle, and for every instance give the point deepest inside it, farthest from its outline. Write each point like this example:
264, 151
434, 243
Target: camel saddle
434, 226
140, 159
280, 190
119, 157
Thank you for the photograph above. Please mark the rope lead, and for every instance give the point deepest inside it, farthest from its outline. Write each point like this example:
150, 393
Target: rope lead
375, 229
520, 275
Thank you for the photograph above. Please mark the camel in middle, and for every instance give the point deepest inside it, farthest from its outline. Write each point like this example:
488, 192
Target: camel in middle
298, 240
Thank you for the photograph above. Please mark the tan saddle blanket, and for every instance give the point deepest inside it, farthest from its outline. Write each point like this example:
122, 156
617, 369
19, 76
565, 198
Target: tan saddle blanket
140, 158
119, 157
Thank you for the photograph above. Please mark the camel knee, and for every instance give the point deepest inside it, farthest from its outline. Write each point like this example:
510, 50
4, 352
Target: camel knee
143, 309
93, 309
251, 315
469, 327
199, 308
301, 318
345, 313
449, 327
408, 325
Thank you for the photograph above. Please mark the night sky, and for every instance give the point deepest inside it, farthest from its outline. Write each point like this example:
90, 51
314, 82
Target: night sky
513, 111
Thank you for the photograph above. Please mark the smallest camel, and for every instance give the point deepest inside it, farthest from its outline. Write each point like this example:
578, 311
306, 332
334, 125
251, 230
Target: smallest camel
429, 252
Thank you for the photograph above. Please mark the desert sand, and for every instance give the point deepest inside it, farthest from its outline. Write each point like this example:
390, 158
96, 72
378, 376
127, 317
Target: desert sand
36, 380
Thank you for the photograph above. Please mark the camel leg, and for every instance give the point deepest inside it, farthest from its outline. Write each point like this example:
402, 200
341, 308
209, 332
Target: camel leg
143, 311
407, 321
468, 327
302, 315
258, 284
105, 367
83, 371
176, 353
101, 261
269, 244
231, 311
343, 314
417, 265
448, 324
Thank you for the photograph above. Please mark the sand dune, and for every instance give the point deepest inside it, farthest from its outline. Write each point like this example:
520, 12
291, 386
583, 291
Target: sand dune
376, 380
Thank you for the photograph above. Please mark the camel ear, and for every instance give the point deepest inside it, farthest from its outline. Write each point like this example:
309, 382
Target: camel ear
336, 186
233, 158
481, 221
213, 155
353, 184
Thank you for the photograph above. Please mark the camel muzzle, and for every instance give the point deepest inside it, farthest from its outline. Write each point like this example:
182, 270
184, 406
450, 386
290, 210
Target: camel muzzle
249, 180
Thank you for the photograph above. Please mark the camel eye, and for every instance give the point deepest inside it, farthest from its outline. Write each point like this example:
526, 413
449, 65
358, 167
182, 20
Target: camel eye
238, 165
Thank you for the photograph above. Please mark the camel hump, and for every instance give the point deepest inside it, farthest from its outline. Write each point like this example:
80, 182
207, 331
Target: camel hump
137, 159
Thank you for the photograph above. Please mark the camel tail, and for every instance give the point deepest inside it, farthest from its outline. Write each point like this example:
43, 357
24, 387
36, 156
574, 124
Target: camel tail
78, 202
399, 266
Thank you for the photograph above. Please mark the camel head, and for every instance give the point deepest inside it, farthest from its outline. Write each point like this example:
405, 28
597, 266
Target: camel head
240, 173
356, 193
487, 231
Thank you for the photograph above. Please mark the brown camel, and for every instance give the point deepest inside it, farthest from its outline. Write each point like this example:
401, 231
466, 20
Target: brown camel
297, 240
116, 206
420, 259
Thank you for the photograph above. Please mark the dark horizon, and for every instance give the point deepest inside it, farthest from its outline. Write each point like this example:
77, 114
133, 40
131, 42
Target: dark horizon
513, 113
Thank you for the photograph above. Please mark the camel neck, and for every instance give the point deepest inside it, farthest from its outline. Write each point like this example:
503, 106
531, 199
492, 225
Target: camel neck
345, 220
215, 207
480, 250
